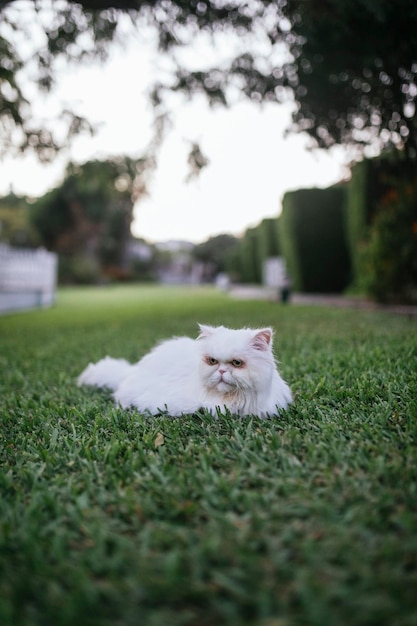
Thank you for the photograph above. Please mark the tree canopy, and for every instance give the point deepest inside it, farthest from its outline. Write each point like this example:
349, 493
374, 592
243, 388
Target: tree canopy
356, 64
349, 66
87, 218
15, 226
214, 254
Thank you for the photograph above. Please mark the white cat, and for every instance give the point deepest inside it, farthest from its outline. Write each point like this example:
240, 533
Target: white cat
222, 368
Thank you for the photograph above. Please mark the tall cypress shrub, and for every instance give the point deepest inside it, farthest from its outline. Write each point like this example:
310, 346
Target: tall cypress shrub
249, 257
267, 242
288, 240
372, 181
314, 239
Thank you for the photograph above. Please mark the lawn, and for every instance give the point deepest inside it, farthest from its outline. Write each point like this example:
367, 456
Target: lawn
110, 518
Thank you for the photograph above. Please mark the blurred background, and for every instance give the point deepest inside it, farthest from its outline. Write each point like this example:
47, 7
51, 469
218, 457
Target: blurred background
192, 142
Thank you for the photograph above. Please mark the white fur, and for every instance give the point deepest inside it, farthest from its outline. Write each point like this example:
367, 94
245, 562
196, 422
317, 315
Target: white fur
222, 368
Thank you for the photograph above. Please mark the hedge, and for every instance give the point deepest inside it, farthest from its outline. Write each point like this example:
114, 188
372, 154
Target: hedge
314, 239
372, 181
257, 244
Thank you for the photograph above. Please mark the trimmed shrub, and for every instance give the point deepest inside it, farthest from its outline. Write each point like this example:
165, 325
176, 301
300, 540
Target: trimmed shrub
358, 210
267, 241
249, 257
388, 261
288, 242
313, 239
372, 182
246, 261
268, 237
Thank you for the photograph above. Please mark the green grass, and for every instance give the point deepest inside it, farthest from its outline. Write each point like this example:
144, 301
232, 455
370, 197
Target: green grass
111, 518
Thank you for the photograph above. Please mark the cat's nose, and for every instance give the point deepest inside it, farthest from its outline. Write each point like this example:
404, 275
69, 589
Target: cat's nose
222, 371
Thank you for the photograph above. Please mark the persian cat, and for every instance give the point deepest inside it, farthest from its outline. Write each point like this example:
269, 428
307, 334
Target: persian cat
221, 369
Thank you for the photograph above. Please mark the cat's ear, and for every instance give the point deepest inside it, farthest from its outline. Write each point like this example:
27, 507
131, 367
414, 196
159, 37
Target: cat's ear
205, 331
262, 340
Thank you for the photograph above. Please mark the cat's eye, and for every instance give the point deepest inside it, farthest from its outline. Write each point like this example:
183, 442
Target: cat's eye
211, 361
237, 363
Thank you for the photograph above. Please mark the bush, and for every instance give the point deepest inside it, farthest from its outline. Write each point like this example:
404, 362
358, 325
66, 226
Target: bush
78, 270
313, 239
250, 271
370, 188
389, 259
267, 243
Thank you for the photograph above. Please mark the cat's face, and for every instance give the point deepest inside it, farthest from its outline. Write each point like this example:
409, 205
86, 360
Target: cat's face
235, 361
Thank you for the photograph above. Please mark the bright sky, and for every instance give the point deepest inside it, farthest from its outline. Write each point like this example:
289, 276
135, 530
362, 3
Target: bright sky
251, 165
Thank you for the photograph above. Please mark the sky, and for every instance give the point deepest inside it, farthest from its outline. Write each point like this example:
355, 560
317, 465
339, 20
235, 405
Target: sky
251, 161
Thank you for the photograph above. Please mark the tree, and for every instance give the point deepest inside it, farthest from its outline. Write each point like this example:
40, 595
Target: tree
214, 254
80, 31
15, 226
87, 218
350, 66
355, 77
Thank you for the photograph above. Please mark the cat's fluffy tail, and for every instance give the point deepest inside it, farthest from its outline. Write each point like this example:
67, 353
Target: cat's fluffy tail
105, 373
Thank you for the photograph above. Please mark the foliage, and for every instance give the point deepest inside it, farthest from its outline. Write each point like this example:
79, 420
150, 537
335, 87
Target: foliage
82, 31
144, 270
389, 258
314, 239
361, 95
246, 261
67, 31
197, 161
268, 240
214, 254
269, 236
374, 184
77, 268
359, 208
250, 270
287, 226
15, 226
110, 517
87, 218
